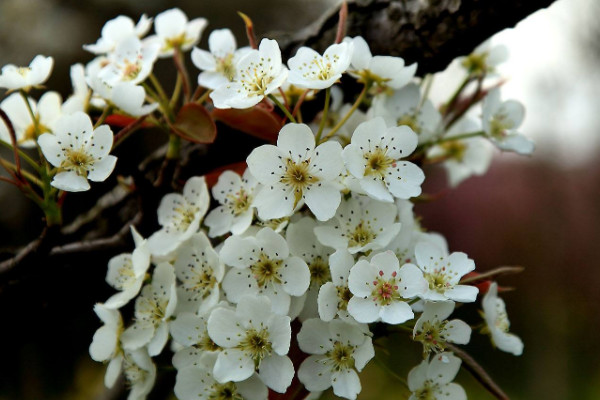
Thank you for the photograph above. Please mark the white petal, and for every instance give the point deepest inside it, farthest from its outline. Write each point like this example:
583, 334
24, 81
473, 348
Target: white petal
224, 329
295, 275
296, 141
363, 310
314, 337
462, 293
253, 389
443, 368
113, 370
233, 365
363, 354
457, 331
276, 372
161, 335
315, 374
327, 301
396, 312
361, 278
70, 182
346, 383
102, 169
323, 200
137, 335
272, 244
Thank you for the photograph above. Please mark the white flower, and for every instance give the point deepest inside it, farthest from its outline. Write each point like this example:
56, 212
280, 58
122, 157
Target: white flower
190, 331
374, 158
198, 383
79, 151
236, 196
46, 113
116, 30
434, 330
253, 338
220, 64
174, 31
303, 243
200, 272
126, 272
105, 344
310, 70
131, 62
496, 319
338, 351
381, 71
433, 380
180, 216
381, 288
140, 373
334, 296
443, 272
295, 170
263, 265
360, 226
463, 157
500, 123
38, 71
260, 73
485, 58
153, 309
80, 98
404, 107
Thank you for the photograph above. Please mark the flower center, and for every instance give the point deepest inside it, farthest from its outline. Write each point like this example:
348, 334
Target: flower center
438, 280
240, 202
455, 150
427, 392
255, 80
225, 66
432, 336
131, 70
411, 121
266, 270
377, 162
385, 291
206, 343
298, 177
78, 161
125, 276
499, 125
340, 357
225, 391
344, 295
24, 71
133, 373
183, 216
319, 271
257, 345
199, 279
361, 236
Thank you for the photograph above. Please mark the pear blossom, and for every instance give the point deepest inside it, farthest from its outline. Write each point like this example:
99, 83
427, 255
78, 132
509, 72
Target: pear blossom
334, 296
79, 151
260, 73
433, 379
497, 323
153, 309
485, 58
180, 216
295, 171
374, 158
219, 66
383, 72
404, 107
117, 30
339, 350
500, 122
175, 31
126, 272
463, 157
360, 226
381, 288
236, 196
140, 373
310, 70
38, 71
200, 272
190, 331
263, 265
434, 330
46, 113
198, 383
443, 273
80, 98
132, 61
304, 244
254, 339
105, 345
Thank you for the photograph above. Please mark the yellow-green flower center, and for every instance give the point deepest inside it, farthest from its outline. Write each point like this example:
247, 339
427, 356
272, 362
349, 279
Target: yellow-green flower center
266, 270
341, 357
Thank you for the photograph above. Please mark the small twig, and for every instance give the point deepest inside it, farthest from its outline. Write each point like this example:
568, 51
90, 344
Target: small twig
178, 60
478, 372
249, 30
505, 270
123, 133
13, 139
341, 29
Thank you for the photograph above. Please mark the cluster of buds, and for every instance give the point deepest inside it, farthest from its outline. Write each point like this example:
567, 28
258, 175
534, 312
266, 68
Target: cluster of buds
312, 241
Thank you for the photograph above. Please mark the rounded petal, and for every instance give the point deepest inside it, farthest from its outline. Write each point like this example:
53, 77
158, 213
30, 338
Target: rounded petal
327, 301
296, 276
71, 182
296, 141
363, 310
276, 372
396, 312
224, 329
314, 337
102, 169
233, 365
314, 374
346, 383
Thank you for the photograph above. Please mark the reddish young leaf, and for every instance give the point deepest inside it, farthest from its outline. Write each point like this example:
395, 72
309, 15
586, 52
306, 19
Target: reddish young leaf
123, 120
256, 121
195, 124
213, 176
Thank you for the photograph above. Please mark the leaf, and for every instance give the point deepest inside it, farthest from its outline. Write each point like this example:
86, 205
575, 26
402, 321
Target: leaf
123, 120
257, 121
195, 124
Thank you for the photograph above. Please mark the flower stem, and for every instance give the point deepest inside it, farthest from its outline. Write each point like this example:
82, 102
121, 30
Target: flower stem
451, 139
174, 147
182, 71
358, 101
450, 104
105, 113
176, 91
204, 96
324, 115
282, 108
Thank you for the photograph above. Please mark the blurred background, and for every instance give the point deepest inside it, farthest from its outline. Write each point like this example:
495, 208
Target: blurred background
541, 212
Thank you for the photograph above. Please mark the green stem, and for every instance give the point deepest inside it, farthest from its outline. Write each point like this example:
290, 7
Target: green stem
451, 139
450, 104
427, 83
282, 108
174, 147
30, 110
182, 71
22, 155
324, 115
176, 91
105, 113
8, 165
204, 96
358, 101
159, 89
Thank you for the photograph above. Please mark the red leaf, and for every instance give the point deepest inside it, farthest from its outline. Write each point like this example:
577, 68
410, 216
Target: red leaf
123, 120
213, 176
194, 123
256, 121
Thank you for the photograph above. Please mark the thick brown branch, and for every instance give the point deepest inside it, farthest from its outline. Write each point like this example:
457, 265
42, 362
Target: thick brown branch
431, 33
478, 372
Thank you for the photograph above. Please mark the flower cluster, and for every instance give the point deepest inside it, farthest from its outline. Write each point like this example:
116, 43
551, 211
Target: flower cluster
314, 242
